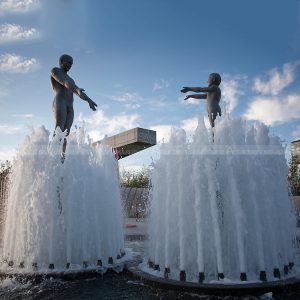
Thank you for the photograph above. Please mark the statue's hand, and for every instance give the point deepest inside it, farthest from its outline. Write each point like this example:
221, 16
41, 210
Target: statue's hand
186, 97
84, 96
92, 105
185, 89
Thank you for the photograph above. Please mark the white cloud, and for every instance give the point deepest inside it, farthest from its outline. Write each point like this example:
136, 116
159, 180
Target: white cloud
231, 90
7, 153
126, 97
18, 5
133, 100
26, 116
189, 125
276, 80
99, 125
15, 32
189, 101
273, 110
158, 103
132, 105
163, 133
129, 99
95, 135
12, 63
10, 129
161, 84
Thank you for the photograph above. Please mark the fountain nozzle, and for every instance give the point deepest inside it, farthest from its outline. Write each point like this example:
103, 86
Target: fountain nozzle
182, 275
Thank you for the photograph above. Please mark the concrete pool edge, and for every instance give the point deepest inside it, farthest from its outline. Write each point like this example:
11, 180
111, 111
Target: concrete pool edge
282, 286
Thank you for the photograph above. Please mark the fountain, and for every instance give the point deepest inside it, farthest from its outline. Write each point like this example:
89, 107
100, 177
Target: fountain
220, 209
62, 216
64, 208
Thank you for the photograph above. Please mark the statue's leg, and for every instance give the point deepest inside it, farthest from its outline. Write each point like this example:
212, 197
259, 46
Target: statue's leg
211, 119
60, 114
70, 118
68, 124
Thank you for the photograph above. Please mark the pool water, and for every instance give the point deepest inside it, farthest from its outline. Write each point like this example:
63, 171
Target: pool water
111, 286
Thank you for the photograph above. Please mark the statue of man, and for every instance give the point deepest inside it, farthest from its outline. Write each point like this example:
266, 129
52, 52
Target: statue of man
64, 87
212, 94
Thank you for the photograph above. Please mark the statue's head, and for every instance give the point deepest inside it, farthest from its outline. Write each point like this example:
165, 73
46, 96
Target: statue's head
66, 62
214, 78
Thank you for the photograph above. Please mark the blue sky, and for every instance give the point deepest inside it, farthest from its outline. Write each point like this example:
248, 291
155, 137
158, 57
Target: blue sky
133, 56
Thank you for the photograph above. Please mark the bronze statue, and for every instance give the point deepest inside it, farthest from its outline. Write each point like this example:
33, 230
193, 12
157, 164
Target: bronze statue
212, 93
64, 87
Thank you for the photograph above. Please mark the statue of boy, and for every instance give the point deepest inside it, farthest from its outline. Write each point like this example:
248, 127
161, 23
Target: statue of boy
64, 87
212, 93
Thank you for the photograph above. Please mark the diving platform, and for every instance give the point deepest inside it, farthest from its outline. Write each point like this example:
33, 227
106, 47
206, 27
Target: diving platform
131, 141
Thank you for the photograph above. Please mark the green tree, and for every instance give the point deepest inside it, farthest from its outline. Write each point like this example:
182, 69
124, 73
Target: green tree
4, 170
294, 177
138, 179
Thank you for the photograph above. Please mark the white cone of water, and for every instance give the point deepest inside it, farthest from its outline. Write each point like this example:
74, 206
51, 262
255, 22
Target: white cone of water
221, 205
62, 213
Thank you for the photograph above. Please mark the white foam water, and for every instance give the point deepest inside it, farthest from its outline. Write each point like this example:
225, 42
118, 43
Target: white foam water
62, 213
220, 203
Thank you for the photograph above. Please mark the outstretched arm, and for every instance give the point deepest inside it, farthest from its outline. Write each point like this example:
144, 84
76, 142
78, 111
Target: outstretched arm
197, 89
69, 83
196, 96
82, 95
62, 78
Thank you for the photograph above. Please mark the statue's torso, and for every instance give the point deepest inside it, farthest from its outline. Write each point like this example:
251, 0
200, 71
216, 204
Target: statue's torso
61, 93
213, 100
